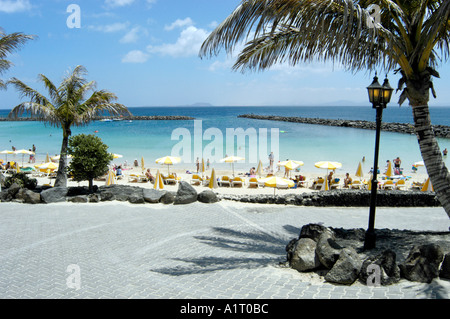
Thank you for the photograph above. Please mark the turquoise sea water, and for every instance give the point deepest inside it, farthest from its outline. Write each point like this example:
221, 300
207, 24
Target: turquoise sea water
308, 143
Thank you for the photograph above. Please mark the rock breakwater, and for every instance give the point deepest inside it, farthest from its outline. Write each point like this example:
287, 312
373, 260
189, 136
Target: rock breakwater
405, 128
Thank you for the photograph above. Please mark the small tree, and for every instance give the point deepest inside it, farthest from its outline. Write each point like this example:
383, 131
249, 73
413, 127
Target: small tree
90, 158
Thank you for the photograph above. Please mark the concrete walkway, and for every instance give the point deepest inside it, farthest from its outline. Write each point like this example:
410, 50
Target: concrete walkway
224, 250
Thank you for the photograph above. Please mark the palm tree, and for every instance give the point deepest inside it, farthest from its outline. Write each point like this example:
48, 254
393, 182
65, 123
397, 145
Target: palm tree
8, 44
67, 106
410, 37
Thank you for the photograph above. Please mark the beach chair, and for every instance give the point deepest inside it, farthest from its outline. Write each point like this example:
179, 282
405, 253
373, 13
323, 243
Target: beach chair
253, 183
318, 183
236, 182
356, 185
335, 183
389, 184
170, 179
133, 178
225, 181
196, 180
400, 184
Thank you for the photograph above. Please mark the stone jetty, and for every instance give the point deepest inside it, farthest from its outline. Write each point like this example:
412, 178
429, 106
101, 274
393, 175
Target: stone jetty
439, 130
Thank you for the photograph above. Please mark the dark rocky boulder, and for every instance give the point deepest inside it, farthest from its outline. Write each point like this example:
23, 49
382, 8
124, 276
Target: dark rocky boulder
328, 250
168, 198
303, 255
186, 194
422, 263
387, 265
153, 195
207, 196
346, 269
54, 195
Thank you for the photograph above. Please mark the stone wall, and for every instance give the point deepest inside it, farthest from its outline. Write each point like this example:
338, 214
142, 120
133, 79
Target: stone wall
439, 130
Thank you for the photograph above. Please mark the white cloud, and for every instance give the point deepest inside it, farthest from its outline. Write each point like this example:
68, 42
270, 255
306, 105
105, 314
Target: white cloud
179, 24
10, 6
110, 28
187, 44
135, 56
118, 3
133, 35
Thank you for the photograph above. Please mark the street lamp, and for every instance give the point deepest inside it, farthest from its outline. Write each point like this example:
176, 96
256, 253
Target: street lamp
379, 96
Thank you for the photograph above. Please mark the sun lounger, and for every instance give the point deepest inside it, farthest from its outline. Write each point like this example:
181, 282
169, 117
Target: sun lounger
335, 183
389, 184
237, 181
356, 185
225, 181
400, 184
196, 180
318, 183
253, 183
170, 179
132, 178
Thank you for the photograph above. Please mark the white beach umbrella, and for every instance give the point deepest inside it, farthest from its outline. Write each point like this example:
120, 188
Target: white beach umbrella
213, 180
168, 160
111, 178
232, 159
159, 184
6, 152
23, 152
275, 181
259, 169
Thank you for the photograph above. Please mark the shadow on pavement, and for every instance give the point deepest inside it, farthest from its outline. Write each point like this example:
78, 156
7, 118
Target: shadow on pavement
253, 250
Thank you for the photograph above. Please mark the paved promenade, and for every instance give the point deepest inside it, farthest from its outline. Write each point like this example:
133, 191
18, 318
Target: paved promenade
225, 250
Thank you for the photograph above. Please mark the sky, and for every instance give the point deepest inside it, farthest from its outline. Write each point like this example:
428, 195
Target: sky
146, 52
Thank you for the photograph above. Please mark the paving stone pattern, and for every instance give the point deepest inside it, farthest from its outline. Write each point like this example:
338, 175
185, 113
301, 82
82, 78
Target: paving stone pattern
222, 250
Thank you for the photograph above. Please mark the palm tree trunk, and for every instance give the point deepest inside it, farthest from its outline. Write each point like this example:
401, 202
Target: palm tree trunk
431, 154
61, 175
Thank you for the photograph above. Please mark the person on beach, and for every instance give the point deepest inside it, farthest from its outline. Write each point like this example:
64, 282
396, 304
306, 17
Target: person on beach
119, 172
330, 177
397, 162
149, 175
347, 180
271, 159
33, 148
207, 163
136, 163
197, 163
252, 172
444, 152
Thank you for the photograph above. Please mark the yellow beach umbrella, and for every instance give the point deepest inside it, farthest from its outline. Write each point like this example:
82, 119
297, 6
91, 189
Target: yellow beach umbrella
116, 155
290, 165
142, 163
259, 169
47, 166
23, 152
325, 186
111, 178
328, 165
168, 160
427, 187
213, 180
6, 152
232, 159
389, 171
202, 167
47, 158
359, 171
159, 184
275, 181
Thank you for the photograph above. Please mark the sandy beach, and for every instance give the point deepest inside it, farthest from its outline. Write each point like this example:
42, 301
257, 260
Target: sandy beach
181, 171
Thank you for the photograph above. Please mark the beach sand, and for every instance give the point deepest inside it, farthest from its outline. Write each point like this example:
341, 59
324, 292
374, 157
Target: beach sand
181, 172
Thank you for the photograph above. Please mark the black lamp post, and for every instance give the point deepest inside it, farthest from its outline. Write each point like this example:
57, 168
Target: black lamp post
379, 96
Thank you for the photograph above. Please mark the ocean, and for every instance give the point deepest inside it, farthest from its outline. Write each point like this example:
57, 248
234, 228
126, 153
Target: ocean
211, 135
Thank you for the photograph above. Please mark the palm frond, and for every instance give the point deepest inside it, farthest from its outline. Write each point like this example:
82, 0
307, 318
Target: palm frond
27, 92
